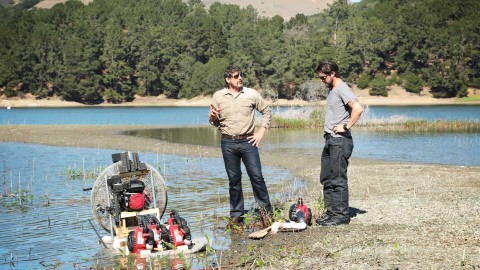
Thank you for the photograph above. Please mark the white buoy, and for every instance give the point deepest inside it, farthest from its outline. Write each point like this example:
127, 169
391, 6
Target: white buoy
8, 108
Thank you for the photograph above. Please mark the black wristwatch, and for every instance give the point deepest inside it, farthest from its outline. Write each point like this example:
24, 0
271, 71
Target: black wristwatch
345, 127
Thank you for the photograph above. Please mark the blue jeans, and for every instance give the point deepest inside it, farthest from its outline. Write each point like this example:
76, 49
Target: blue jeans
333, 175
234, 152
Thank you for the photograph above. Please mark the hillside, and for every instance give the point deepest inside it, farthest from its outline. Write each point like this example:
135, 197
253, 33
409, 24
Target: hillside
116, 49
268, 8
51, 3
284, 8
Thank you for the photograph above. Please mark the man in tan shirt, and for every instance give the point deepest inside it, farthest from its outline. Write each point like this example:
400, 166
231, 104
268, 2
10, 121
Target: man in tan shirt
233, 111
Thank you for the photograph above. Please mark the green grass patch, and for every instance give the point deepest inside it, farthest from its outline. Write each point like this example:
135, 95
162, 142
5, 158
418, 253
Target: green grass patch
469, 99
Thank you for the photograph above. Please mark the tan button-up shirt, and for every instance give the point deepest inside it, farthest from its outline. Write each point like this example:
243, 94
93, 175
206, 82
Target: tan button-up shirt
237, 115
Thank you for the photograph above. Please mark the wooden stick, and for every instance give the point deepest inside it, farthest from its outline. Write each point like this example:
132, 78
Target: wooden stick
260, 234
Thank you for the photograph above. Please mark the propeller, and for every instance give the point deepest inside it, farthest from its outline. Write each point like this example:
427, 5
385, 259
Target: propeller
102, 197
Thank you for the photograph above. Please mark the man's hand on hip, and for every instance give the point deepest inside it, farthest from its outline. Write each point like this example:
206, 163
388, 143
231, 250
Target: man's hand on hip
256, 138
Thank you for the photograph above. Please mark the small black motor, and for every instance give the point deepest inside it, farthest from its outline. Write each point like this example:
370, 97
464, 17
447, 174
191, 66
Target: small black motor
299, 212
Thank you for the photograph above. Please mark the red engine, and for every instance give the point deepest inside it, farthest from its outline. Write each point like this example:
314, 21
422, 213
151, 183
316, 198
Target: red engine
136, 201
300, 212
179, 230
142, 238
150, 233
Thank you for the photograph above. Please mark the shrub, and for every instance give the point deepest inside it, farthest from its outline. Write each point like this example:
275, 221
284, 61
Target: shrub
447, 85
379, 86
475, 82
413, 83
113, 96
313, 90
463, 92
363, 81
11, 89
393, 79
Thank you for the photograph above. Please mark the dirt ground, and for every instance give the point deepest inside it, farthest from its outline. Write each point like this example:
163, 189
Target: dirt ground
405, 215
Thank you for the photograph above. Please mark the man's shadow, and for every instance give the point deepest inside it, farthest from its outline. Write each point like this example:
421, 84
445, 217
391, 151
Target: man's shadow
353, 212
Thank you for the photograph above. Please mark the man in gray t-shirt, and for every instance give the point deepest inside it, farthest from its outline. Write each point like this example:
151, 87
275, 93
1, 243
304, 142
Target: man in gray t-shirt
342, 112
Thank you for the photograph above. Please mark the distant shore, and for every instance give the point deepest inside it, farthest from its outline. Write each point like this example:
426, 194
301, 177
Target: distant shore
397, 97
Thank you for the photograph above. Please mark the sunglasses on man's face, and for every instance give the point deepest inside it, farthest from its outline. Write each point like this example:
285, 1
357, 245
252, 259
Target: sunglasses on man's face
323, 77
235, 76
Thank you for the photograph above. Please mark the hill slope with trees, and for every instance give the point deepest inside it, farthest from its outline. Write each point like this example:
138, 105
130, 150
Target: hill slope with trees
112, 50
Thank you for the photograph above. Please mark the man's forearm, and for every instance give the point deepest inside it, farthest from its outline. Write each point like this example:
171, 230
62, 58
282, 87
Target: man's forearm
357, 110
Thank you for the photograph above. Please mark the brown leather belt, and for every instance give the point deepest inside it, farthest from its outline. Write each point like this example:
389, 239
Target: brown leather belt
236, 137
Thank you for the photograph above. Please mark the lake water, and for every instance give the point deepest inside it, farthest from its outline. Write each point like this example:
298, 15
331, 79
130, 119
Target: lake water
60, 235
458, 149
198, 115
440, 148
39, 236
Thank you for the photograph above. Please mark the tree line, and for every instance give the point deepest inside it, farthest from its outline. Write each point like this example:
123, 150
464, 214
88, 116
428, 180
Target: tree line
112, 50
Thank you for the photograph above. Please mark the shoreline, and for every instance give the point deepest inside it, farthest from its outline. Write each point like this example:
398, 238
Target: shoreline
397, 97
375, 101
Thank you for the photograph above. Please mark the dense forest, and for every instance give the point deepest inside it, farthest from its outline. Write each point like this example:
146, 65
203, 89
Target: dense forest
112, 50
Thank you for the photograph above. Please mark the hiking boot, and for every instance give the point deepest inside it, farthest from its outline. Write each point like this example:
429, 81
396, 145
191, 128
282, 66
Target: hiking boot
323, 218
235, 223
335, 221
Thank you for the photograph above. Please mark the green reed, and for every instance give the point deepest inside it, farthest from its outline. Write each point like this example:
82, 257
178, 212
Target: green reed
313, 117
310, 116
423, 126
73, 173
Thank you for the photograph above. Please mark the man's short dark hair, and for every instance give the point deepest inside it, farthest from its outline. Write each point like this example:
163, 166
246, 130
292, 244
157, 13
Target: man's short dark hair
230, 70
327, 67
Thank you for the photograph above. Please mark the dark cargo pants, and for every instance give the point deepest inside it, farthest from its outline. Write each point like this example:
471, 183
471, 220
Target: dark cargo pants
333, 175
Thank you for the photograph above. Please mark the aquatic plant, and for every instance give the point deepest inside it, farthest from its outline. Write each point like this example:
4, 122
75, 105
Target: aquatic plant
16, 195
312, 116
74, 173
421, 126
309, 116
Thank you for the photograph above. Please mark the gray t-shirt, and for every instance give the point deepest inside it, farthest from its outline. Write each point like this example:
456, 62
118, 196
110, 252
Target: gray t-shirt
338, 112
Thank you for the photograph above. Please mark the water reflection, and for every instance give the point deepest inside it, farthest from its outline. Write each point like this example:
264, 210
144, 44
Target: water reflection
210, 136
424, 147
196, 135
